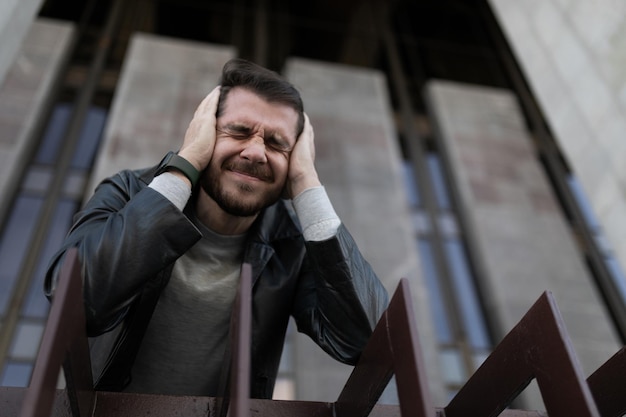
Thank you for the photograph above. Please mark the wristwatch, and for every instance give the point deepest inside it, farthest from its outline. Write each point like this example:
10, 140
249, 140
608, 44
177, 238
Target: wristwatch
180, 164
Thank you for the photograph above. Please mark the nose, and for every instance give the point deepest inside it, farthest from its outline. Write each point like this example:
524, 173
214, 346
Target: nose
254, 150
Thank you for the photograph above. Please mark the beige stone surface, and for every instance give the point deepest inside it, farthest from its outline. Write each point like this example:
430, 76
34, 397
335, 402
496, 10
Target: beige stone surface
162, 82
359, 163
573, 53
514, 221
24, 96
16, 18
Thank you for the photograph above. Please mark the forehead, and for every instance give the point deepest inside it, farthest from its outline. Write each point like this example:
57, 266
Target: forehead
248, 108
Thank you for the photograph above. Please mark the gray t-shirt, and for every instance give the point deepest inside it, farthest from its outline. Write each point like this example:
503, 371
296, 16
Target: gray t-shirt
183, 348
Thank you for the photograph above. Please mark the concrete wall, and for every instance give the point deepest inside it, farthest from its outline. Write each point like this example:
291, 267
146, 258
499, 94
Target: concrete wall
24, 96
162, 83
573, 53
514, 222
359, 163
16, 18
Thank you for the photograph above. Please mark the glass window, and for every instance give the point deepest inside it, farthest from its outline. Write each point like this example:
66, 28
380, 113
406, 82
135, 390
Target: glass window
6, 288
421, 223
463, 341
436, 299
16, 374
603, 244
89, 138
453, 367
471, 312
74, 185
448, 225
36, 304
618, 275
284, 389
480, 357
439, 184
26, 341
410, 185
286, 359
450, 394
615, 269
14, 243
583, 203
38, 179
285, 382
54, 135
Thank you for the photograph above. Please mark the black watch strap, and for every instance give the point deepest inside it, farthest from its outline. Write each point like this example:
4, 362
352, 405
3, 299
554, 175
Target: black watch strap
174, 161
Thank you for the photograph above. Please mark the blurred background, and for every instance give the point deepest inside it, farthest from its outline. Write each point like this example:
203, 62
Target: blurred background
474, 147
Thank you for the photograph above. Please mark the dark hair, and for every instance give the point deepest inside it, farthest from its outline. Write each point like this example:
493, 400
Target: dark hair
266, 83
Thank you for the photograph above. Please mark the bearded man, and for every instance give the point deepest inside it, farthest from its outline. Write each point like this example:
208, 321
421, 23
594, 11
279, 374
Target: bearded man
161, 249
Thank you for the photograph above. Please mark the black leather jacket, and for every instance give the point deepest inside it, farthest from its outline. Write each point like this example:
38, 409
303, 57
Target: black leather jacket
129, 236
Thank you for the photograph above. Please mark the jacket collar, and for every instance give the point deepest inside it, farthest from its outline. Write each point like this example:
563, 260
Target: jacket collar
276, 222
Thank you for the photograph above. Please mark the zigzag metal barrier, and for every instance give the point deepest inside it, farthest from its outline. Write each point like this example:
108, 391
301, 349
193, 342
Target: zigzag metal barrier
538, 347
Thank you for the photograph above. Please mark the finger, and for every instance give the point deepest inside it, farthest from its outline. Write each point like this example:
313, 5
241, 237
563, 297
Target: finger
309, 134
209, 103
212, 100
307, 126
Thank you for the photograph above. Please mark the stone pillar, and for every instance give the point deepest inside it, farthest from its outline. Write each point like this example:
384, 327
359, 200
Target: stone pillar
24, 97
573, 54
514, 223
162, 82
359, 163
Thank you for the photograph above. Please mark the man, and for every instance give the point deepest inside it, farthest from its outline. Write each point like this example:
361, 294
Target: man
161, 249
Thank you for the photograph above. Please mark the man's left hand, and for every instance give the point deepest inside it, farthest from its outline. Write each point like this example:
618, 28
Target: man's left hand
302, 173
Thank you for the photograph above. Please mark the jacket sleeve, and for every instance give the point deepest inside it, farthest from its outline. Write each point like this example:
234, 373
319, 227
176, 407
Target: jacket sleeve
340, 298
126, 235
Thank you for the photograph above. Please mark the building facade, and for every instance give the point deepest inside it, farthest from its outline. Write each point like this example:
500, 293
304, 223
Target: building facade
473, 147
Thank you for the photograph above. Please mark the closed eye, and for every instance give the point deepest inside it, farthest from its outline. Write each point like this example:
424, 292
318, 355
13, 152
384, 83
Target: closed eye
273, 141
277, 144
236, 131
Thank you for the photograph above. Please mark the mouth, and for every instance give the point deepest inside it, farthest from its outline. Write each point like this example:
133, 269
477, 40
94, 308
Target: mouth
246, 175
250, 172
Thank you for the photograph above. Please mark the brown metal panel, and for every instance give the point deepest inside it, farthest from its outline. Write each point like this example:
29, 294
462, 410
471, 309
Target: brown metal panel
77, 363
392, 348
537, 347
241, 331
370, 376
12, 398
136, 405
116, 404
409, 367
64, 334
608, 385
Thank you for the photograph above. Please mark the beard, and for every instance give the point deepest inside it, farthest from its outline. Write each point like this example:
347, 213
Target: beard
241, 200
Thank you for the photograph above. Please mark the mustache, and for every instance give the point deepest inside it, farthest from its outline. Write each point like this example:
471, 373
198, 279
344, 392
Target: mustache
262, 172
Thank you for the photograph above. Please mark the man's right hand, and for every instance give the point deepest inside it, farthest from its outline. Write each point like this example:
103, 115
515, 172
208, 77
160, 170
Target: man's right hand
200, 136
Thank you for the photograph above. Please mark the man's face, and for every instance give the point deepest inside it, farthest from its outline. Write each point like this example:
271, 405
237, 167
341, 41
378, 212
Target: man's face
249, 166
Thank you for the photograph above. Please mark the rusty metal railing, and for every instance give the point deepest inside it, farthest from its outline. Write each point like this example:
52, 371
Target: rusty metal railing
537, 348
64, 342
